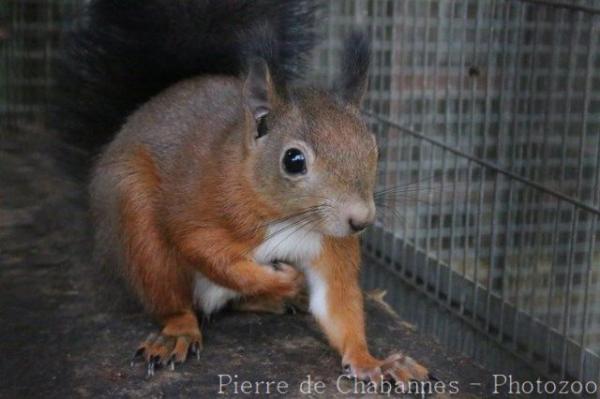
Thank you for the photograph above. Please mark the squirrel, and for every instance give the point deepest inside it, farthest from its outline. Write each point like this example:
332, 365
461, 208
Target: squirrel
221, 177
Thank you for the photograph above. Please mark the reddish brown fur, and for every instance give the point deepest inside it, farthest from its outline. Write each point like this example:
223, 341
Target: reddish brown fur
345, 325
158, 272
154, 270
339, 266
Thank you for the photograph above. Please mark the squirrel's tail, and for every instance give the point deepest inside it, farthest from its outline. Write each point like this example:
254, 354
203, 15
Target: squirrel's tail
120, 53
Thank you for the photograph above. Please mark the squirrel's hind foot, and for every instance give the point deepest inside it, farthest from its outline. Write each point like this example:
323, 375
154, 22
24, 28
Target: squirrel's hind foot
180, 337
398, 368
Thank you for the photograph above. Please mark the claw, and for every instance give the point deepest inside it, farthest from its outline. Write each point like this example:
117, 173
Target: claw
290, 309
347, 371
171, 362
393, 376
195, 349
150, 369
138, 353
397, 368
351, 376
164, 351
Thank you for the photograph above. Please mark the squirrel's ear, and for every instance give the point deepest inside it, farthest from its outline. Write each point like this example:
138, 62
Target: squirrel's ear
258, 88
352, 83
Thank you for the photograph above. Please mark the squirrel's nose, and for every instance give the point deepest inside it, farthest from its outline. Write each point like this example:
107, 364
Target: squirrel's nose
357, 226
360, 216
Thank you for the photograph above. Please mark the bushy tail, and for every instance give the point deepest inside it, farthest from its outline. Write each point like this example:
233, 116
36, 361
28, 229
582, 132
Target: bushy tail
119, 53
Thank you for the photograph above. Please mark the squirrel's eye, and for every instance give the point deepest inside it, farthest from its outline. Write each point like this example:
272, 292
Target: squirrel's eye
294, 162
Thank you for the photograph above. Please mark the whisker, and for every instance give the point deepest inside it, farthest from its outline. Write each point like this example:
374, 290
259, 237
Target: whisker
403, 201
280, 231
447, 195
290, 234
412, 183
310, 229
401, 190
306, 214
292, 216
313, 196
287, 227
394, 212
386, 222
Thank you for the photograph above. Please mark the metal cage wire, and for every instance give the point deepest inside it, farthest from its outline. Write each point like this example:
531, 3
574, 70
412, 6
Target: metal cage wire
29, 34
488, 120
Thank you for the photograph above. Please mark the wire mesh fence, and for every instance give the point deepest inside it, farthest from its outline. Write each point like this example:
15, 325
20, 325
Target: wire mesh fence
511, 257
488, 77
29, 34
488, 119
487, 114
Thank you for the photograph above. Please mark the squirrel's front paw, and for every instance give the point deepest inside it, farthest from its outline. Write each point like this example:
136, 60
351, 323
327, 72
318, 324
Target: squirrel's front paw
397, 367
285, 281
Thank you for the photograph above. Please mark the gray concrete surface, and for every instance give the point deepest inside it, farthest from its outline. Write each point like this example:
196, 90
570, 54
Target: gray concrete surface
66, 330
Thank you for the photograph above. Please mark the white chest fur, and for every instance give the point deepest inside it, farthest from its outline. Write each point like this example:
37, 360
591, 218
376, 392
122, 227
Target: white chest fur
299, 247
210, 297
284, 242
288, 243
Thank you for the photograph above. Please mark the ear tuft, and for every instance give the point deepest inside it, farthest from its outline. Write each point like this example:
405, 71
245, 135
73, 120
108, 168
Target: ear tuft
352, 84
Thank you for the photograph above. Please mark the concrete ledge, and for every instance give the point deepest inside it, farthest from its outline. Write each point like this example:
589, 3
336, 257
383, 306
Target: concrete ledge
67, 331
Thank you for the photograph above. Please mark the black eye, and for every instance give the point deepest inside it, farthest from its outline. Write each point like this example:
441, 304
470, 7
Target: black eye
294, 162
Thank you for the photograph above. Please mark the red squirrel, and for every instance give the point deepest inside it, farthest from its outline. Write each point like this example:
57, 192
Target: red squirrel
225, 179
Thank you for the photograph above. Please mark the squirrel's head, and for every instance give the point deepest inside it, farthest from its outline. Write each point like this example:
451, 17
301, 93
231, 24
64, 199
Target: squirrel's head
310, 154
